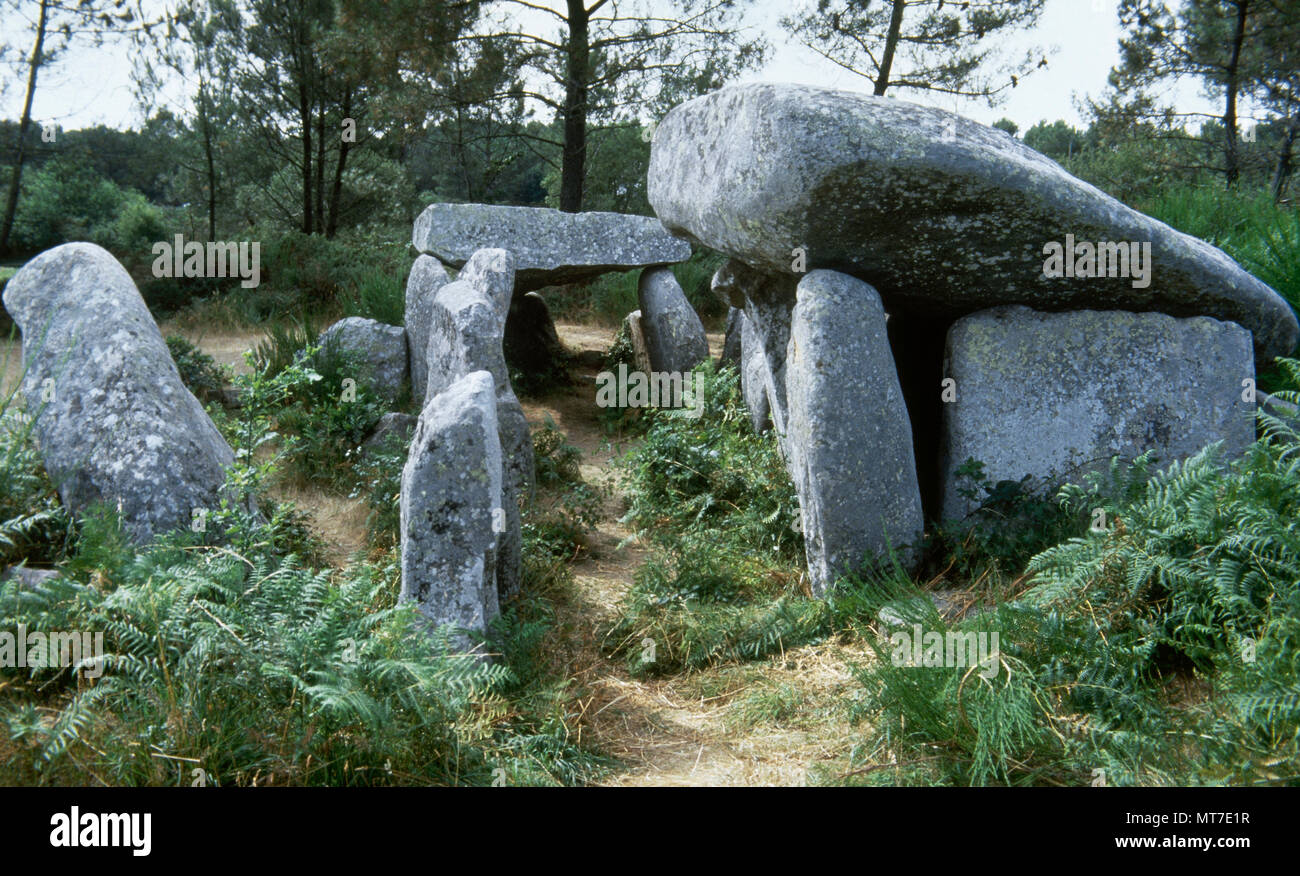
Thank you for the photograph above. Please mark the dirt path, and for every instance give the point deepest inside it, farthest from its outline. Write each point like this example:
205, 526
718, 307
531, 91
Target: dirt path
755, 724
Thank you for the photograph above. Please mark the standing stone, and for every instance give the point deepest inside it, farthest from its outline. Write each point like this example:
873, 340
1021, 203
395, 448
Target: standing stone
466, 332
731, 339
427, 277
674, 335
379, 349
753, 374
767, 300
113, 420
636, 337
1054, 395
550, 247
492, 272
451, 488
849, 440
943, 215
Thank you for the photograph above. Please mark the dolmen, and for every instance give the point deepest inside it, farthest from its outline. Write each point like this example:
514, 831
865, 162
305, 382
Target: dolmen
470, 460
917, 290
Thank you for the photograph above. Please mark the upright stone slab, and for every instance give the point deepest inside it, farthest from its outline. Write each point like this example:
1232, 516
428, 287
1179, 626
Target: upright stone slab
113, 420
378, 348
636, 337
767, 300
674, 335
849, 439
943, 215
1053, 395
550, 247
426, 278
467, 328
467, 325
754, 375
451, 490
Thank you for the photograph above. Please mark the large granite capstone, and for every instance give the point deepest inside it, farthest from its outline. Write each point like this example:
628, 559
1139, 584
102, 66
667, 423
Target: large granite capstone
549, 247
939, 213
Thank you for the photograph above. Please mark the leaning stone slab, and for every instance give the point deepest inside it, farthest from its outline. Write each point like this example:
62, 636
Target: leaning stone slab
113, 420
532, 345
674, 336
849, 438
939, 213
550, 247
1054, 395
378, 348
426, 278
451, 488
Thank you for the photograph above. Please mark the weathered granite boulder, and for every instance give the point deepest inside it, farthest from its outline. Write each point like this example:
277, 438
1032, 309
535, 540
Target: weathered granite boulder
731, 339
549, 247
849, 440
426, 278
674, 336
25, 578
379, 349
451, 490
1053, 395
492, 271
941, 214
113, 420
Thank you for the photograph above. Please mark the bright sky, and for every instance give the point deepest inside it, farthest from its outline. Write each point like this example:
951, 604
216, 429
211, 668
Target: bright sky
94, 85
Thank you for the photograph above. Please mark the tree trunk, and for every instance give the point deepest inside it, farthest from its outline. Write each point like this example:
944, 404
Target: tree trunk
891, 44
304, 114
1282, 172
1231, 164
337, 190
573, 170
11, 202
205, 120
320, 169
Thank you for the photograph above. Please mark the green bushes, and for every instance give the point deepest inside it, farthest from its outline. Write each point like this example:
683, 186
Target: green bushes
64, 200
